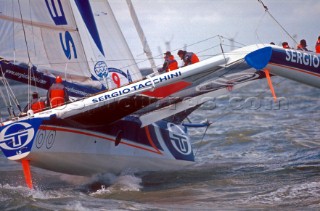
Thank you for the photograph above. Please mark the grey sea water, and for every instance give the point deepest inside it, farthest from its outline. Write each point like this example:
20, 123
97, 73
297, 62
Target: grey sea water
255, 155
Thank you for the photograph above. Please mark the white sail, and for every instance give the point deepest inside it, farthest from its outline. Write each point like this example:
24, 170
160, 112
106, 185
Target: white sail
43, 33
75, 39
116, 50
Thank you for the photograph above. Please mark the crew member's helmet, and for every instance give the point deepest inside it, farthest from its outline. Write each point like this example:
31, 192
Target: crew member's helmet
58, 79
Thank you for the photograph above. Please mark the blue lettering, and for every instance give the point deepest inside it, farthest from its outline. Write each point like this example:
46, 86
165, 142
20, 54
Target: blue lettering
175, 75
140, 86
163, 79
57, 16
95, 100
134, 87
115, 94
156, 81
126, 90
101, 98
148, 83
67, 48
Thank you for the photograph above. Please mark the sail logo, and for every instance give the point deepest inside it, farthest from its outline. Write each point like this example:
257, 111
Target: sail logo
16, 136
179, 140
66, 47
302, 58
56, 12
101, 69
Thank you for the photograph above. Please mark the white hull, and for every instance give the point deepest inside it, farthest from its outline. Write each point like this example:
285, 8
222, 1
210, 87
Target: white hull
83, 152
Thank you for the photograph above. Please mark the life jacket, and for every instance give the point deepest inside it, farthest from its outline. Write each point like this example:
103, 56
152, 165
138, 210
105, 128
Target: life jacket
299, 47
38, 106
190, 58
172, 64
56, 97
318, 46
194, 59
286, 46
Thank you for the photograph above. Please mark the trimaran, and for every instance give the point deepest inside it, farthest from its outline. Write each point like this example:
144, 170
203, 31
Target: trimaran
117, 118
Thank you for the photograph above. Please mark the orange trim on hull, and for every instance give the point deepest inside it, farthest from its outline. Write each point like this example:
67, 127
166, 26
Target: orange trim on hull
42, 127
150, 140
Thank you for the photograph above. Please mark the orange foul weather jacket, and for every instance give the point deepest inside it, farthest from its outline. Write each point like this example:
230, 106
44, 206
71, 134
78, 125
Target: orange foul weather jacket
170, 64
57, 95
38, 106
190, 58
318, 46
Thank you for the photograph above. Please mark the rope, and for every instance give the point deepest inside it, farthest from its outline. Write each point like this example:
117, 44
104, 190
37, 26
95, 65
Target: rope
29, 59
267, 11
195, 154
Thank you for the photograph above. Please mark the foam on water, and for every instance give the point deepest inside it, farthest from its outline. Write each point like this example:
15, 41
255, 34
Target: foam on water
34, 193
76, 205
289, 194
123, 183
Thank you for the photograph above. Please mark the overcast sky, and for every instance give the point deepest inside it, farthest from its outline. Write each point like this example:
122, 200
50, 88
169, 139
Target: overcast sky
189, 21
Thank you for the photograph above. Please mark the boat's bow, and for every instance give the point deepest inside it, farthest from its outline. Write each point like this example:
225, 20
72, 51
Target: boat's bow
300, 66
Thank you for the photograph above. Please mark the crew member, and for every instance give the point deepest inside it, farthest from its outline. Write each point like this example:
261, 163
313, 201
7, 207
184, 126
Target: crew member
188, 57
170, 63
318, 45
57, 94
302, 46
36, 104
285, 45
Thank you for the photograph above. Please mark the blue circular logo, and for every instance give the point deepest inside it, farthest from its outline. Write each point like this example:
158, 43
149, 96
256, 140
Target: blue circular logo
16, 136
101, 69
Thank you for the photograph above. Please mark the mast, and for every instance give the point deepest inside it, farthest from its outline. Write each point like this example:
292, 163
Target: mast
143, 39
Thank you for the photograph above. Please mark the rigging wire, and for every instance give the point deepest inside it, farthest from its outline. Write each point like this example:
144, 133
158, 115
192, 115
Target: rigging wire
28, 53
267, 11
11, 93
224, 56
4, 99
204, 134
192, 44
